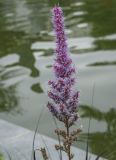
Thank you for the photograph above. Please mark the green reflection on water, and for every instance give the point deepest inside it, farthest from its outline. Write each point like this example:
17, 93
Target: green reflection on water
101, 13
103, 143
105, 44
16, 42
48, 52
1, 157
49, 66
105, 63
8, 98
37, 88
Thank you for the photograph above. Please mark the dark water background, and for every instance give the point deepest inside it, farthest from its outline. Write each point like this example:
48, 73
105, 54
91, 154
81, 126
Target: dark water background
26, 56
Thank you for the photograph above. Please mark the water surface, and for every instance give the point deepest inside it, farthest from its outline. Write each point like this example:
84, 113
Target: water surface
27, 47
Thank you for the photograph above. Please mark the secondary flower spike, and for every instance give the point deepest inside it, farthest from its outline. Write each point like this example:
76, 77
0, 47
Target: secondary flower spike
64, 100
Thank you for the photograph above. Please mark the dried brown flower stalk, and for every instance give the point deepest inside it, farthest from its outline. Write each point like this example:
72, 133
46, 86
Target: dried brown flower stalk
68, 138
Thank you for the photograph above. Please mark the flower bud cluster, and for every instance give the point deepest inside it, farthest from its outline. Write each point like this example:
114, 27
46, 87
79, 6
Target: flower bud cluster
64, 99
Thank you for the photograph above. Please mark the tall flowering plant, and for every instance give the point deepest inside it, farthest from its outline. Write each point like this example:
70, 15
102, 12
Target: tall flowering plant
64, 99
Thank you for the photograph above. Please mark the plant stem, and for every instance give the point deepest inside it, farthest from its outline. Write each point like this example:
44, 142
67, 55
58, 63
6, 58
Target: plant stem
68, 136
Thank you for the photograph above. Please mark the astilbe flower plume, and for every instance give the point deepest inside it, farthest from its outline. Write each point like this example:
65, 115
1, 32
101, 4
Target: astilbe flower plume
64, 99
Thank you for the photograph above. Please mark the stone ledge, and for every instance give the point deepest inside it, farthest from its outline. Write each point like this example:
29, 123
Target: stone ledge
18, 142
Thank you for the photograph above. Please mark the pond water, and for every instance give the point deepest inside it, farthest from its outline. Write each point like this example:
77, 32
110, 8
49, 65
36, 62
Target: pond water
26, 55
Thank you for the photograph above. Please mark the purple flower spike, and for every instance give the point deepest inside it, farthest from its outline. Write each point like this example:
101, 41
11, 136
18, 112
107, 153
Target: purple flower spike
64, 100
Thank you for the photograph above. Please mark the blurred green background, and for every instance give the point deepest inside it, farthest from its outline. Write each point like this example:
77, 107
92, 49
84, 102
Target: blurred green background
26, 56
